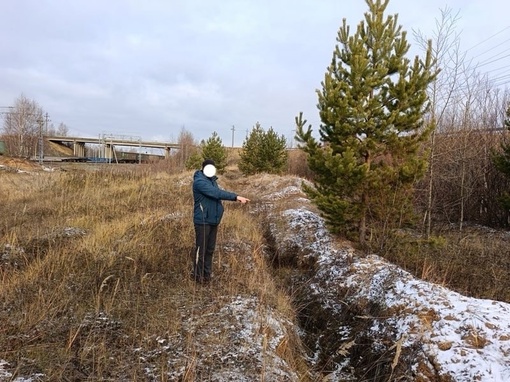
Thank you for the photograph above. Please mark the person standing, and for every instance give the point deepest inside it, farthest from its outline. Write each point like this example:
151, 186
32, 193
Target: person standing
207, 214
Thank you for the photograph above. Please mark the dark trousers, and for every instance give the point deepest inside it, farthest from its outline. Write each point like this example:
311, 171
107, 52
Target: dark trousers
205, 242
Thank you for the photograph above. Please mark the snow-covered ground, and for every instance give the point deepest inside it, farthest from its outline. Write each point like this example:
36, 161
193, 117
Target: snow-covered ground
451, 336
240, 340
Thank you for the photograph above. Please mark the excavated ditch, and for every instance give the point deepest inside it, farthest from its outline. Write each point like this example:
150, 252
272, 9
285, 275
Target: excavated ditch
362, 318
365, 319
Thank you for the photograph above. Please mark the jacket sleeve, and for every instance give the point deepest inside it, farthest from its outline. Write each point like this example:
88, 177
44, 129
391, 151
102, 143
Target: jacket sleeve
207, 188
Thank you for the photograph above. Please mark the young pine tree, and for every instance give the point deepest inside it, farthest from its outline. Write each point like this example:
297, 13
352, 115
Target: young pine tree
263, 152
213, 149
194, 161
371, 107
250, 157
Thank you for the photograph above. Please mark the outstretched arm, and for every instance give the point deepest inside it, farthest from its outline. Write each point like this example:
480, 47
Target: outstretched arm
206, 188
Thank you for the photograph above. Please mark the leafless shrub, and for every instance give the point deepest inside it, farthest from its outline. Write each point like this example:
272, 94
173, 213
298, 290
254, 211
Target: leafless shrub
22, 127
468, 112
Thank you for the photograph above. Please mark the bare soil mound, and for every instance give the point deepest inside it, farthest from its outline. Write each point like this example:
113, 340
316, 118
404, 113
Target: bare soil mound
18, 164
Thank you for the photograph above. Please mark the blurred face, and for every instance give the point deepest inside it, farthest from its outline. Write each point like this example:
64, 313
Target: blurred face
209, 170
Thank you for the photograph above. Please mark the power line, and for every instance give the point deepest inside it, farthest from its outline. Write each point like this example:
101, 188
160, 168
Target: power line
494, 47
9, 108
503, 80
494, 59
488, 38
498, 69
499, 75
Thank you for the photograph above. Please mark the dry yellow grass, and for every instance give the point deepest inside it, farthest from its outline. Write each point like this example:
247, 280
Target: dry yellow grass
474, 261
94, 263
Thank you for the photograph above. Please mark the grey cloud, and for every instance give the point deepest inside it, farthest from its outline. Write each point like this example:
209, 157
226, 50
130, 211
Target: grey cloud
154, 66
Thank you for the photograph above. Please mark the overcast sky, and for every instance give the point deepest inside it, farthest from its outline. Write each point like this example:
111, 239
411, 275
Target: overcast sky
149, 68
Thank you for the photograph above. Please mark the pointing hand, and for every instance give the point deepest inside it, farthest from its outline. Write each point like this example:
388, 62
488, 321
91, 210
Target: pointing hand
242, 199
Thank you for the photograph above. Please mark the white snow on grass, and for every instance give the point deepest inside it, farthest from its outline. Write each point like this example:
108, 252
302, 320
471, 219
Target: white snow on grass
466, 339
7, 376
239, 340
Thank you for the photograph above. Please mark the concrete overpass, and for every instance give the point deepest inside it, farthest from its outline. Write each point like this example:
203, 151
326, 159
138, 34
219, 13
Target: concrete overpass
108, 143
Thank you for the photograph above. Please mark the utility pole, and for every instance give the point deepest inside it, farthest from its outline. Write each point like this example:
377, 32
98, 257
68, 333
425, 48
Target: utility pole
292, 138
233, 130
2, 113
41, 150
140, 150
41, 137
9, 109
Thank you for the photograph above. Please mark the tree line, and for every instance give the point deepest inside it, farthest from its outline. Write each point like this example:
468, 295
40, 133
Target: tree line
262, 152
24, 124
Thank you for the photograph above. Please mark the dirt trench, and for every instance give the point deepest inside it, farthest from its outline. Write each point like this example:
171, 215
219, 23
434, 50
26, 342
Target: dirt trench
336, 325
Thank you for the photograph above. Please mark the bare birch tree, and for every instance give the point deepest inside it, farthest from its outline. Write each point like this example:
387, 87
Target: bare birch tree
187, 146
448, 62
466, 110
22, 127
465, 183
61, 131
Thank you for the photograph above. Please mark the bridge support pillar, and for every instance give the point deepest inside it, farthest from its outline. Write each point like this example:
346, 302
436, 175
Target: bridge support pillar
79, 149
108, 152
168, 150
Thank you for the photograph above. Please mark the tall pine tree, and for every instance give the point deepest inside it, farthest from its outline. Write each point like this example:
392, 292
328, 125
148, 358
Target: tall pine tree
371, 107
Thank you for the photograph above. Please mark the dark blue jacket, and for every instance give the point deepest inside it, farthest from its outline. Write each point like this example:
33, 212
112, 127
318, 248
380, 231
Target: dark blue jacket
207, 199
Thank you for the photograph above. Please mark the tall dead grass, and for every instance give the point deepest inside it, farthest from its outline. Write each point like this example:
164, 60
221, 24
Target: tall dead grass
94, 264
474, 261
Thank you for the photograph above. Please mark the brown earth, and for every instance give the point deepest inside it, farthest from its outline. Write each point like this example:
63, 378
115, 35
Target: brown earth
22, 164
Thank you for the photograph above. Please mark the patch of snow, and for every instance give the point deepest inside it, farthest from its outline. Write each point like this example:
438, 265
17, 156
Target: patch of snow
463, 338
9, 250
238, 340
6, 375
65, 232
173, 216
289, 190
11, 255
